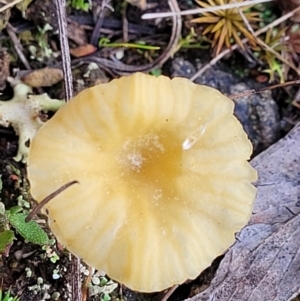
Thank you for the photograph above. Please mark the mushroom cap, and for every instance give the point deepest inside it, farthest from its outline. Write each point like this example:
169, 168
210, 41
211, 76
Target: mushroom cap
164, 181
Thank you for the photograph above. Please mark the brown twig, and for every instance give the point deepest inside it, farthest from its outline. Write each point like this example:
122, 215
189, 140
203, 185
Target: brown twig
66, 62
19, 49
245, 40
47, 199
65, 51
100, 19
17, 45
252, 91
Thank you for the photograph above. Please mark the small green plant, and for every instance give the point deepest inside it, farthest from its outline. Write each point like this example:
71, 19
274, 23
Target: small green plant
42, 51
155, 72
191, 42
80, 5
105, 42
7, 297
30, 231
274, 38
275, 67
50, 253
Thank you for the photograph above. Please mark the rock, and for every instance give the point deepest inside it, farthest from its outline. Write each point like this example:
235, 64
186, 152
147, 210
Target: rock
258, 113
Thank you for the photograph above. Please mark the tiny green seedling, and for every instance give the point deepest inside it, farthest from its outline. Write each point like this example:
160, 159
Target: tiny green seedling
7, 297
104, 288
30, 231
50, 253
191, 42
105, 42
80, 5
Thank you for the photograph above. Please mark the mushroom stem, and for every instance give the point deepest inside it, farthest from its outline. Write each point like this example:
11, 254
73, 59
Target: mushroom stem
86, 283
169, 293
48, 198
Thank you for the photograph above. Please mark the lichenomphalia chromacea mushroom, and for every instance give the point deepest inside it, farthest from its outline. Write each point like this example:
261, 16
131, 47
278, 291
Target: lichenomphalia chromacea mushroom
164, 181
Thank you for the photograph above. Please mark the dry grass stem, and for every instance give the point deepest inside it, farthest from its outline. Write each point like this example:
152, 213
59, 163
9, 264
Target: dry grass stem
66, 62
17, 45
8, 5
64, 45
202, 10
249, 27
169, 293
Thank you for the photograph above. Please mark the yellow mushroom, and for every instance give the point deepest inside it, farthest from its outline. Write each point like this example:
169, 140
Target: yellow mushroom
164, 181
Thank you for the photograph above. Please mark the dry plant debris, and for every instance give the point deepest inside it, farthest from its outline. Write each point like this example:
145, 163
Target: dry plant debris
4, 16
44, 77
227, 24
4, 68
23, 113
142, 4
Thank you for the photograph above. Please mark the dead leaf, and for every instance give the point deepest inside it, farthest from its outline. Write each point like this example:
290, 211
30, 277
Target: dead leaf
44, 77
263, 264
141, 4
83, 50
77, 33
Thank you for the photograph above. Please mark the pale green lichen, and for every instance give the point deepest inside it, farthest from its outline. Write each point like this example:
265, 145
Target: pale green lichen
41, 288
23, 113
104, 288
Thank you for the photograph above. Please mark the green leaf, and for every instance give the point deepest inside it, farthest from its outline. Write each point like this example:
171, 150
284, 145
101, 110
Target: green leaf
156, 71
14, 210
7, 297
106, 297
30, 231
6, 238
